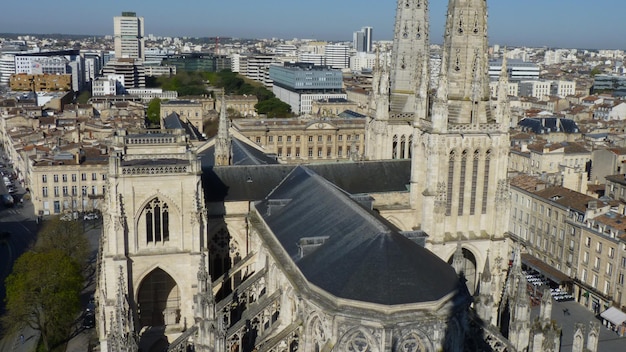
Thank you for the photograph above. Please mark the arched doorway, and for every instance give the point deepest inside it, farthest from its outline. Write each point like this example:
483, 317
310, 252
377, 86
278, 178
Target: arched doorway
158, 300
469, 269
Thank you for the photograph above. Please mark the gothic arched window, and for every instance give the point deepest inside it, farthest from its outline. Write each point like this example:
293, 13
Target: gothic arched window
462, 183
486, 180
157, 222
394, 147
402, 147
451, 161
474, 181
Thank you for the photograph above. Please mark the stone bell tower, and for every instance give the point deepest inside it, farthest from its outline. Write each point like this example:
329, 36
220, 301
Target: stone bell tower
399, 91
458, 180
154, 228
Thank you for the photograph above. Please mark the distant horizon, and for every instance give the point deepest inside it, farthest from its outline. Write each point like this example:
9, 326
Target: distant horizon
531, 23
284, 39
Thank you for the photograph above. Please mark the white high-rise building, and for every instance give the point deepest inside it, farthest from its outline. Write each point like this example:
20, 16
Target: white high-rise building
7, 68
337, 56
128, 36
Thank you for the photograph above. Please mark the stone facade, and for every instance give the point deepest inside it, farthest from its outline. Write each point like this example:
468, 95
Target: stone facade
303, 140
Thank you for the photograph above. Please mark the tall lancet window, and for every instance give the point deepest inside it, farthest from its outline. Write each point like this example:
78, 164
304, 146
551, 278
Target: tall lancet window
462, 183
486, 180
476, 23
451, 160
402, 147
410, 146
474, 181
157, 222
394, 148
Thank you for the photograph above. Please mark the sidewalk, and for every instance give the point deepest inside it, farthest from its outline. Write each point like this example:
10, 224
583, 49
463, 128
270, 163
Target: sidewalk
13, 343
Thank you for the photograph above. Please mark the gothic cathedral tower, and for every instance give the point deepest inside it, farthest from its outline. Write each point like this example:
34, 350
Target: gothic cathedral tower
399, 93
154, 227
458, 180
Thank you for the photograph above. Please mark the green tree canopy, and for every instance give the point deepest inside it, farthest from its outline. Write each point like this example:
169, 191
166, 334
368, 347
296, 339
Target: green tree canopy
43, 292
154, 111
67, 237
273, 107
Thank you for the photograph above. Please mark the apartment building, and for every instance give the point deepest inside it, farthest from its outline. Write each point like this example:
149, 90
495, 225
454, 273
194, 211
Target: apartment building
40, 82
299, 140
545, 157
68, 181
574, 240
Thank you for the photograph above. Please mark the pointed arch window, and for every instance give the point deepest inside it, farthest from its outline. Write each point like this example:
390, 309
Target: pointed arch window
474, 181
475, 22
403, 147
394, 147
450, 182
157, 221
486, 180
462, 183
410, 147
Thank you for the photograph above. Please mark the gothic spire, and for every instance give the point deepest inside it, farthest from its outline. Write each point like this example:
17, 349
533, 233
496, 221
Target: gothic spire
223, 146
466, 64
457, 260
439, 115
486, 275
503, 113
410, 55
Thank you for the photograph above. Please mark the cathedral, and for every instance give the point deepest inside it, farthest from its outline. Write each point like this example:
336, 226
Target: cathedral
216, 247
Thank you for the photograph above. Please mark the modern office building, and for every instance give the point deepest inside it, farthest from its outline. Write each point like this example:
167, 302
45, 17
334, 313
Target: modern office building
612, 83
362, 40
337, 55
518, 70
132, 70
129, 36
300, 84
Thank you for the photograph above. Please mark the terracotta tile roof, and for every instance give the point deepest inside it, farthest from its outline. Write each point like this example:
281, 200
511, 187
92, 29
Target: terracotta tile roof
527, 183
612, 219
566, 197
617, 150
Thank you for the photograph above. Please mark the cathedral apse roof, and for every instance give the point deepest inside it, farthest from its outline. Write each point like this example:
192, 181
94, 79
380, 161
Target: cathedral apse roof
347, 250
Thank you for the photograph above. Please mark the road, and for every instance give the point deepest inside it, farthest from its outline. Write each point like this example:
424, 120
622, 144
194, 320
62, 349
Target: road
21, 223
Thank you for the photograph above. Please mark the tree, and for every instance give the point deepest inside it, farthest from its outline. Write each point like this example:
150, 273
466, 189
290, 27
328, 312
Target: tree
154, 111
43, 292
66, 236
273, 107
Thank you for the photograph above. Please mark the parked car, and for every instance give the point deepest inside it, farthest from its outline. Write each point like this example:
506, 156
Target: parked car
90, 216
7, 200
89, 319
66, 217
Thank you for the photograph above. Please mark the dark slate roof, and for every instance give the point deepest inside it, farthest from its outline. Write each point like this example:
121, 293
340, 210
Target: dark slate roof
173, 122
254, 182
243, 154
548, 125
351, 114
364, 258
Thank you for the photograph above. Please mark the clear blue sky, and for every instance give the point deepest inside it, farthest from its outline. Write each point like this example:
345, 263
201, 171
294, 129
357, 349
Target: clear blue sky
556, 23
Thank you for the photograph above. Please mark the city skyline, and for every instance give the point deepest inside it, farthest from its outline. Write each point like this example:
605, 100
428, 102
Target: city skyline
574, 24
